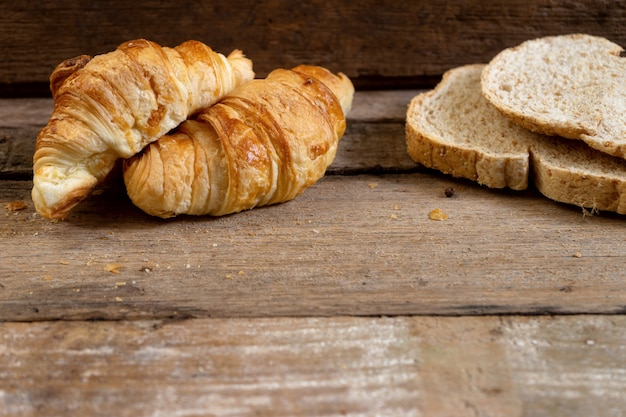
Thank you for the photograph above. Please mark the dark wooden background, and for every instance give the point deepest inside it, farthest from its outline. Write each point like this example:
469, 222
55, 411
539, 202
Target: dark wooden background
378, 43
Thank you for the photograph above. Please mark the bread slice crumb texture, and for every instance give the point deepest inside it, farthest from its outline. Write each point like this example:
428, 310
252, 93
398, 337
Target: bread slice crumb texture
569, 85
455, 130
452, 130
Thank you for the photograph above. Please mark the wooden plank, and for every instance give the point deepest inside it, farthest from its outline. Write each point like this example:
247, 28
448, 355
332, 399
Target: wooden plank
374, 139
411, 366
350, 245
368, 40
20, 121
368, 106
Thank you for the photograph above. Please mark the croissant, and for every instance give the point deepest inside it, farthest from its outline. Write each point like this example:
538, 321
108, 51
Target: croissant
264, 143
112, 105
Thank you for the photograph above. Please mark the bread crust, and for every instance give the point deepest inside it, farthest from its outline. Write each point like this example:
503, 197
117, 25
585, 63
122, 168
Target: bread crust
444, 132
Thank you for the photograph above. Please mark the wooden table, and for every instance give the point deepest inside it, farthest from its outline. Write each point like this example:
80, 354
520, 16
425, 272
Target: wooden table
348, 300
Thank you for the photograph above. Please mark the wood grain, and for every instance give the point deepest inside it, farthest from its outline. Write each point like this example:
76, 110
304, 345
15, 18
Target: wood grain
409, 366
348, 301
374, 140
356, 245
372, 40
360, 242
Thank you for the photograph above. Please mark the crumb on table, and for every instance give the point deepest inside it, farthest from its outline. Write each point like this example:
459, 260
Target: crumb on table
437, 214
15, 206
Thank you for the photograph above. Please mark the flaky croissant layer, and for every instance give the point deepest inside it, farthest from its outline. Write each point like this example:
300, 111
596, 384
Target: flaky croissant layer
111, 106
264, 143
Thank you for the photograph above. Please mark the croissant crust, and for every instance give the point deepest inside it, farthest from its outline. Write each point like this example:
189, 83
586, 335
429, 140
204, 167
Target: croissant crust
264, 143
112, 105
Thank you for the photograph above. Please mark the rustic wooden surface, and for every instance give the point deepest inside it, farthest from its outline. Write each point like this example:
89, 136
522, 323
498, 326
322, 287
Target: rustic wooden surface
374, 42
360, 242
348, 301
330, 304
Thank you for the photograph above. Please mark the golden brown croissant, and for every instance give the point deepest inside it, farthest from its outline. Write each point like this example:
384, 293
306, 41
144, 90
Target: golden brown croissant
264, 143
112, 105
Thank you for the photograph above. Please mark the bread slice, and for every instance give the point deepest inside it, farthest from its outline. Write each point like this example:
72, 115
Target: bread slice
570, 85
455, 130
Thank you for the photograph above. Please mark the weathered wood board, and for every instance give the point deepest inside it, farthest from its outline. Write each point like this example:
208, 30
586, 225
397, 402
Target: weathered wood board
381, 43
360, 245
377, 117
360, 242
571, 366
348, 301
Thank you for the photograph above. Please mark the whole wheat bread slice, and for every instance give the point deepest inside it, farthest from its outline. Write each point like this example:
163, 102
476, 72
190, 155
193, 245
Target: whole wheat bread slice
571, 86
455, 130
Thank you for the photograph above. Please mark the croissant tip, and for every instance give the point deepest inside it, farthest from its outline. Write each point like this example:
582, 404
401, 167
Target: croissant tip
59, 211
236, 53
54, 200
339, 83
